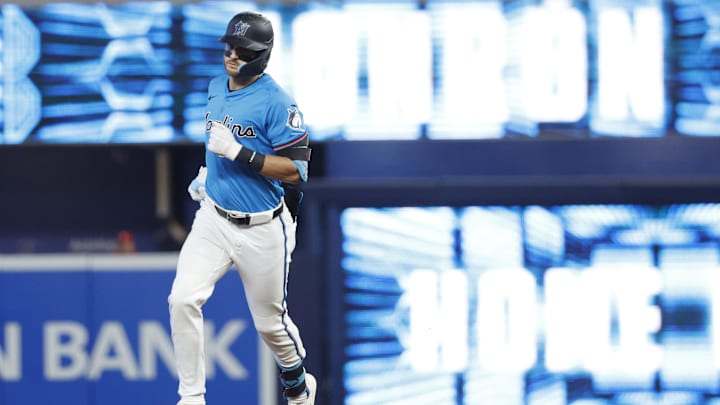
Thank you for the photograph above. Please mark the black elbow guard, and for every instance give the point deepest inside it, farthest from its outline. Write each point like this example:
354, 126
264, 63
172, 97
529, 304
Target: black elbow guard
299, 151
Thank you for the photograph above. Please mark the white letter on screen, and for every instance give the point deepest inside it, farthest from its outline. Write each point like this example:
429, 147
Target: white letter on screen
453, 321
399, 72
630, 98
154, 342
507, 320
563, 319
623, 294
548, 60
424, 341
218, 349
65, 340
325, 69
470, 98
112, 352
11, 356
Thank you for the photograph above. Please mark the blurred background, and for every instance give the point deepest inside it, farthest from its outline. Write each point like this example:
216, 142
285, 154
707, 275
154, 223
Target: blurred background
510, 202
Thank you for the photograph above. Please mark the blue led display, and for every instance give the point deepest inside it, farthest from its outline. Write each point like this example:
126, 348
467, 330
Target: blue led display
571, 304
137, 72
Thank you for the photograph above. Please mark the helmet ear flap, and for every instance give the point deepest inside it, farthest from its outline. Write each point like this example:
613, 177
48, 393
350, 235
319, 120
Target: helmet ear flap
257, 65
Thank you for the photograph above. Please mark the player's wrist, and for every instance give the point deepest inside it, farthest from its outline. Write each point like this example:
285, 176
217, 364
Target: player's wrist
233, 150
256, 160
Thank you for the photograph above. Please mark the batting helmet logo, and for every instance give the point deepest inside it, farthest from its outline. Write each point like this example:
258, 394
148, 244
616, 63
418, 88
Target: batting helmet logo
241, 29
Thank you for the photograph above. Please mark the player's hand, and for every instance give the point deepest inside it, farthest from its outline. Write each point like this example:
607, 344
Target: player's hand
222, 142
196, 189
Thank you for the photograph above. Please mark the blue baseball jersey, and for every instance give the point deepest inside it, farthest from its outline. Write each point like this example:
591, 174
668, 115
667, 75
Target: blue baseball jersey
262, 117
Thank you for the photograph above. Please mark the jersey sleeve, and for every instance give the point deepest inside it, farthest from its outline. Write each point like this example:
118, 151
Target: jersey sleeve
288, 130
286, 126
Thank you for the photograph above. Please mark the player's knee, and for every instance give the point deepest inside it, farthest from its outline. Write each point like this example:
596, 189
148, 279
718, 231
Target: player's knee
183, 303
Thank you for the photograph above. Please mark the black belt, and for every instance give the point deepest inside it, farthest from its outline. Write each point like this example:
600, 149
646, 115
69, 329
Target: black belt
245, 220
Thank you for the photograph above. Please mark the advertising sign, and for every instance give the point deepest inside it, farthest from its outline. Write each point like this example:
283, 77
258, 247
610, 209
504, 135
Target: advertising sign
93, 330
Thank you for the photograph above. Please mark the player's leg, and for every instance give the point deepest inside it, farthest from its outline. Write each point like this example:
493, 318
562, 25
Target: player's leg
264, 263
201, 263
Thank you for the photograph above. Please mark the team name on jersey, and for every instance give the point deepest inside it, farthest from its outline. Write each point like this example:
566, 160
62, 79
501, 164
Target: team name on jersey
237, 129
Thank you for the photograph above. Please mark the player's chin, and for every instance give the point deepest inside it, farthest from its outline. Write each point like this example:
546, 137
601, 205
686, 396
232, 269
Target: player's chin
232, 68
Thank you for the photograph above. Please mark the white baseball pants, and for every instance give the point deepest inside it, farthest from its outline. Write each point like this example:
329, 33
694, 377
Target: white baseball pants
261, 255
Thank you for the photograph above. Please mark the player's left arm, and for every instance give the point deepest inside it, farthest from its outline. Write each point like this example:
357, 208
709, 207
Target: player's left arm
281, 168
288, 165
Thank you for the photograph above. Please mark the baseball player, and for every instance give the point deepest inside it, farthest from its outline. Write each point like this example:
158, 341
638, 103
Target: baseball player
256, 147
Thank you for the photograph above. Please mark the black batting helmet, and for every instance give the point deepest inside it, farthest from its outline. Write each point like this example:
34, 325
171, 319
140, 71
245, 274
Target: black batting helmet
251, 31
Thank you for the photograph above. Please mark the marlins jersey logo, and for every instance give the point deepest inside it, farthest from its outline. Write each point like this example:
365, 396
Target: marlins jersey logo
294, 119
241, 28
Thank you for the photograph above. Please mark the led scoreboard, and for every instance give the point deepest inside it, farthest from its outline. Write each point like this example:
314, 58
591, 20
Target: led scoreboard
137, 72
540, 305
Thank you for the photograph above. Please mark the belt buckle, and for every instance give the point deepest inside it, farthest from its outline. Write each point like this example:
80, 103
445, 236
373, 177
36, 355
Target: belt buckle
227, 215
243, 219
